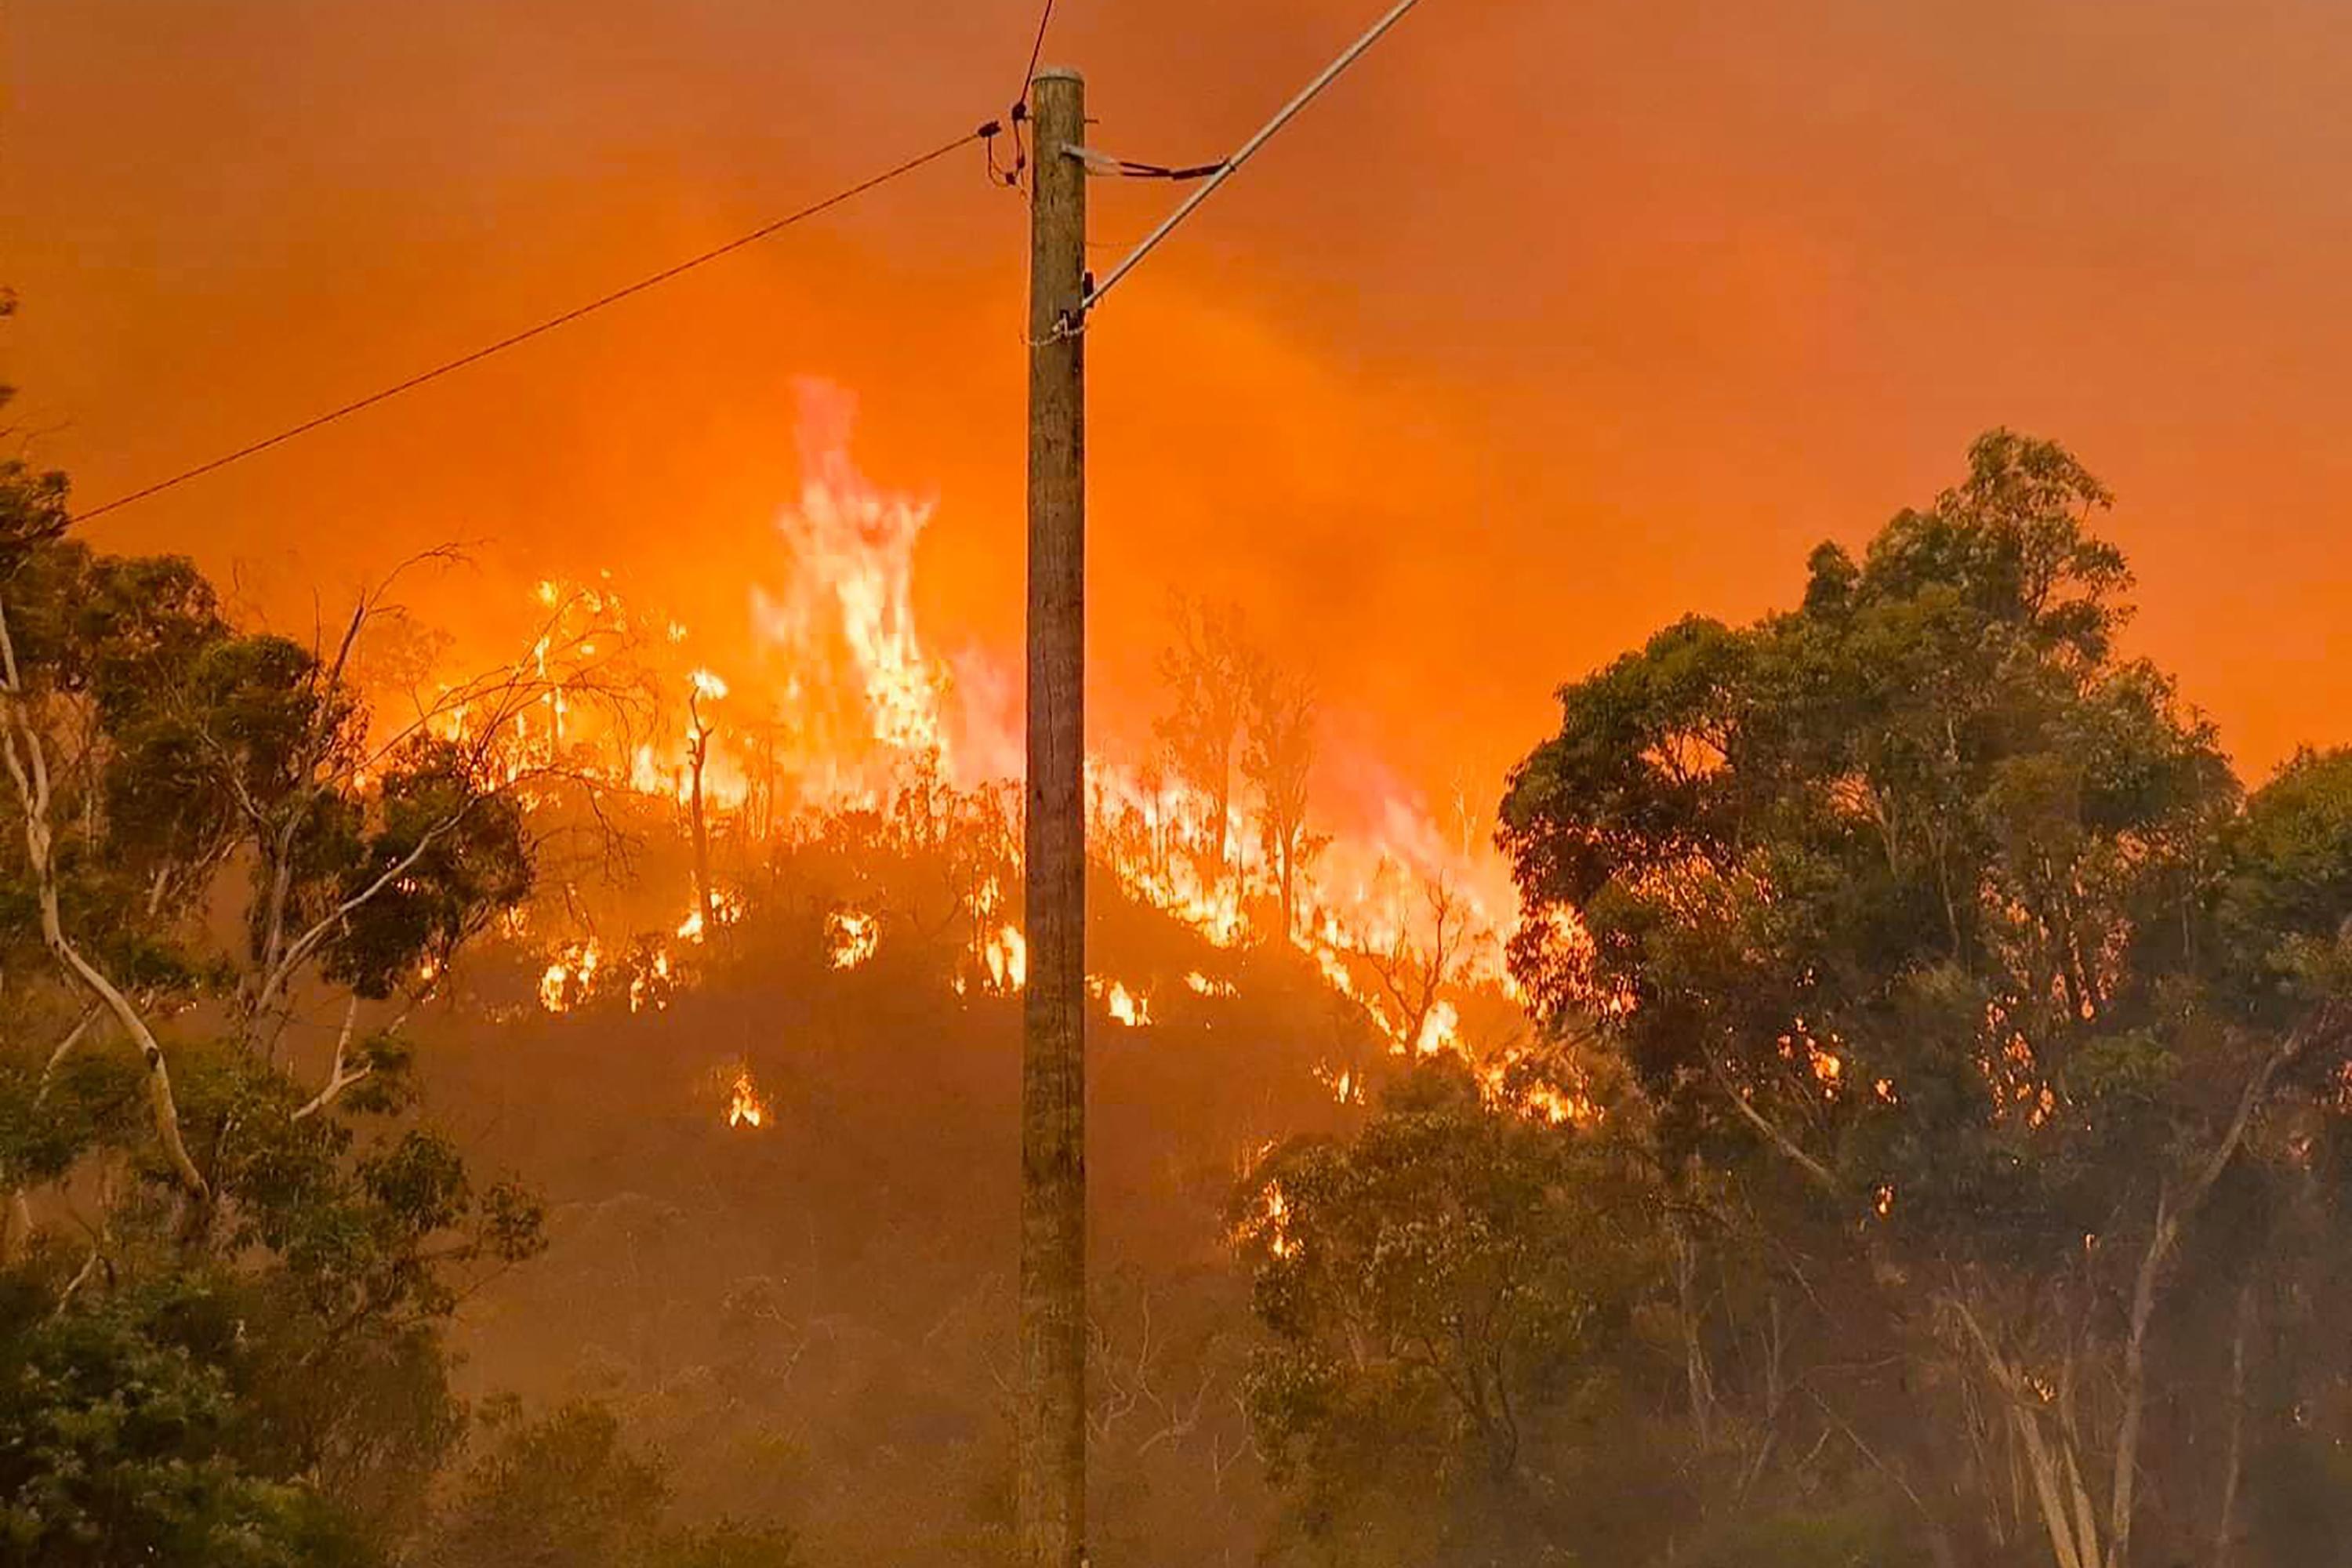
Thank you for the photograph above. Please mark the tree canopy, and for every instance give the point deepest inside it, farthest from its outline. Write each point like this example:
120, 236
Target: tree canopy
1939, 926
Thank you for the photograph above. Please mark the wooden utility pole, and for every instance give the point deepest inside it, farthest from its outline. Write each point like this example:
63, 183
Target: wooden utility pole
1050, 1491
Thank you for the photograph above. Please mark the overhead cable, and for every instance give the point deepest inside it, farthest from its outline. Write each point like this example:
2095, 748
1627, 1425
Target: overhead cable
1231, 166
566, 318
1019, 113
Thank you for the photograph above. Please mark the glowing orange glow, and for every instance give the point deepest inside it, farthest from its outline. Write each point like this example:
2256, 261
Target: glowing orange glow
570, 976
1131, 1008
1347, 1085
745, 1106
1270, 1223
1510, 1082
1007, 956
650, 986
726, 907
1441, 1031
1557, 1107
852, 936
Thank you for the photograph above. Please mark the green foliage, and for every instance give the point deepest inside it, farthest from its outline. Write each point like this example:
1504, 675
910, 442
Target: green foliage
560, 1490
32, 502
178, 744
1954, 950
1926, 825
228, 1253
2287, 900
1443, 1294
260, 1377
459, 854
128, 1434
564, 1490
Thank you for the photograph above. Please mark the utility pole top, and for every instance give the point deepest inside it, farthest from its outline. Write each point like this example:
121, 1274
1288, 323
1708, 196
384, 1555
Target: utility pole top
1059, 73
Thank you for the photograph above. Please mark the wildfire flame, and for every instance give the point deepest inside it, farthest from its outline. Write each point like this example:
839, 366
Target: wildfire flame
745, 1106
726, 908
1006, 954
862, 693
1347, 1085
570, 976
1131, 1009
852, 937
1441, 1031
1271, 1223
841, 704
650, 986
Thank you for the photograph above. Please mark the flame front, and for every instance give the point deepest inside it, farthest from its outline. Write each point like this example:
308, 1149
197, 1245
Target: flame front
852, 936
1270, 1223
840, 705
1131, 1008
745, 1106
1006, 954
570, 976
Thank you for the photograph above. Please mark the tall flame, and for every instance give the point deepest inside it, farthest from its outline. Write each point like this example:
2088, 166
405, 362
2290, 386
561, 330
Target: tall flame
745, 1106
844, 705
853, 936
859, 693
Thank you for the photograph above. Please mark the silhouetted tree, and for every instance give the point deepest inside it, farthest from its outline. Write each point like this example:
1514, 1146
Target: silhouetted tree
1277, 758
1206, 669
1947, 932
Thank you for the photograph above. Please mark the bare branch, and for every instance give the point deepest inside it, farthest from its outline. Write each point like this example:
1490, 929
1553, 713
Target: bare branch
27, 766
1787, 1145
64, 1048
338, 1080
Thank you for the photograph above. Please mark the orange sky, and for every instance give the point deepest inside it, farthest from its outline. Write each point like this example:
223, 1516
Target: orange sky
1552, 322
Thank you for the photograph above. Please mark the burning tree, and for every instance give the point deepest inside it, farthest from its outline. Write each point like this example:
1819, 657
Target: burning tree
1207, 672
1420, 959
701, 686
1278, 757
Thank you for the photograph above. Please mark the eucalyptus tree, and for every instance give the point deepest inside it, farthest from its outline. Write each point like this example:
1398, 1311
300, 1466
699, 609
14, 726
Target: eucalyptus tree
1940, 929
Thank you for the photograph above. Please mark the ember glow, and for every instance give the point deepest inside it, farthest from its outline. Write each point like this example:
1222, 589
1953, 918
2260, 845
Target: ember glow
1269, 1223
650, 986
1131, 1008
745, 1109
570, 976
1006, 954
852, 937
1346, 1084
1441, 1031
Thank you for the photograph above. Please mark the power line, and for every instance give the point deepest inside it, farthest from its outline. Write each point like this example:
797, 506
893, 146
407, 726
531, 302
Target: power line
1232, 165
1019, 114
252, 448
1036, 52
